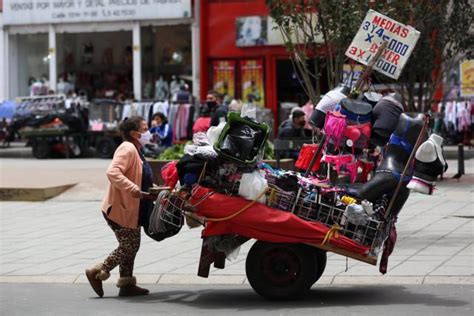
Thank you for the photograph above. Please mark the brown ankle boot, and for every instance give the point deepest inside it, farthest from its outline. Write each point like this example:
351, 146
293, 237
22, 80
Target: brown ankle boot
128, 287
96, 275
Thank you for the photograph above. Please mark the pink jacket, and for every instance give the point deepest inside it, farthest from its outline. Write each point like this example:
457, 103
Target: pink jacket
125, 176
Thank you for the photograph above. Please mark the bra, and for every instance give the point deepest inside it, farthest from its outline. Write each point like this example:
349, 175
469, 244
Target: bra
359, 135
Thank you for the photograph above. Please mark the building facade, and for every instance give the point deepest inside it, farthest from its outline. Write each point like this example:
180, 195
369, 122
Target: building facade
98, 48
242, 55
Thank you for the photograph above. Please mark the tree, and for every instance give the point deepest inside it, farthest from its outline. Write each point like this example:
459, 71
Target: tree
314, 27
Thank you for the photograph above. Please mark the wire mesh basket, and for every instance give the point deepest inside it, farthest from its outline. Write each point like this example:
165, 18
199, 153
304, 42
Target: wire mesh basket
167, 214
372, 234
316, 207
173, 211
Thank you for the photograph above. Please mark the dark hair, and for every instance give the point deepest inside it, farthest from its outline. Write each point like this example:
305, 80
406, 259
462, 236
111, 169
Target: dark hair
297, 114
129, 125
161, 116
216, 94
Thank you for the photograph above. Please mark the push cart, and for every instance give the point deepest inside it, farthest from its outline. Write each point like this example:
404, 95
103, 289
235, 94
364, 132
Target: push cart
287, 270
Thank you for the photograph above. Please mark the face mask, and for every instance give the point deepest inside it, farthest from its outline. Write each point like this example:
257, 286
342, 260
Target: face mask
211, 104
145, 138
302, 124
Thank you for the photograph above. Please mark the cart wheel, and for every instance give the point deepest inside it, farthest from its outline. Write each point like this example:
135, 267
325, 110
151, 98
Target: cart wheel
280, 271
41, 149
321, 259
105, 147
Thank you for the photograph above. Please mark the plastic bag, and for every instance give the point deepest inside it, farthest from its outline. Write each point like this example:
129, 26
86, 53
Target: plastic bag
356, 214
202, 151
249, 110
169, 174
201, 139
214, 132
252, 185
242, 142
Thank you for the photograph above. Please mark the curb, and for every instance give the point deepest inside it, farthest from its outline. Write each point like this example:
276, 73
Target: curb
183, 279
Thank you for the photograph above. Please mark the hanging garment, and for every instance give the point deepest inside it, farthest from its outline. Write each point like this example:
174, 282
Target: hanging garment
335, 127
306, 155
162, 107
308, 109
326, 104
359, 135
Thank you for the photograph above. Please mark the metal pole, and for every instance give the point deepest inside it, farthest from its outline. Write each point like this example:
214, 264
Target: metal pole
360, 83
53, 71
460, 159
318, 152
137, 62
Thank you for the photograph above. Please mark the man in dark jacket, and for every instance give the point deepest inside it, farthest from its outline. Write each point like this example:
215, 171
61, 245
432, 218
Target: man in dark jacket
218, 110
295, 130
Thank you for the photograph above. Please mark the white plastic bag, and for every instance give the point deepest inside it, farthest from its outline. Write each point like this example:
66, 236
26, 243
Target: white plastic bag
214, 132
252, 185
249, 110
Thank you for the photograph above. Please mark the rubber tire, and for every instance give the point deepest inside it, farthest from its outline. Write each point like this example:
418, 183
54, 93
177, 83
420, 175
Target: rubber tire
41, 149
105, 147
321, 259
295, 259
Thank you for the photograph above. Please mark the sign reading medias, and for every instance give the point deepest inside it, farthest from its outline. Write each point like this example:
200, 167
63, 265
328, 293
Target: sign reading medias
376, 29
22, 12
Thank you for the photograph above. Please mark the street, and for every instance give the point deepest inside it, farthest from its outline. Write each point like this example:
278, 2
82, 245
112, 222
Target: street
49, 299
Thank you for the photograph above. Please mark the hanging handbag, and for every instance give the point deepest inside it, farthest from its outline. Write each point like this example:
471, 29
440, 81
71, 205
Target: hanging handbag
306, 154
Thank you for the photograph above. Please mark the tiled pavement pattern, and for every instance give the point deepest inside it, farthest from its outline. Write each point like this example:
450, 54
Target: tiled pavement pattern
54, 241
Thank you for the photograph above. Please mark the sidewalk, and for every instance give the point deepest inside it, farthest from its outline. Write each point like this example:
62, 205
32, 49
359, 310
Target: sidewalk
54, 241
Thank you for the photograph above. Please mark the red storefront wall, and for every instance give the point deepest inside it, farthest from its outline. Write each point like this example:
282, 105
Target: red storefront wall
218, 37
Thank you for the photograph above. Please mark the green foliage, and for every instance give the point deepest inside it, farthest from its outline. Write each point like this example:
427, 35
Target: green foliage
174, 152
269, 154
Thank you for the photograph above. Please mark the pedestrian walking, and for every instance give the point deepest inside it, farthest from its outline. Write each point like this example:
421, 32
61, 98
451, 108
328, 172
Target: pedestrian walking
129, 176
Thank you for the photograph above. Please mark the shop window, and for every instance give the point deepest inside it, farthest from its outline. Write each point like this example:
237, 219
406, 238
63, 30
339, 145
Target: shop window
32, 68
166, 60
99, 65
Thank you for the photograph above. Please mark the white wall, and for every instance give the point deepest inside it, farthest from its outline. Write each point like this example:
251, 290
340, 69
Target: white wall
3, 70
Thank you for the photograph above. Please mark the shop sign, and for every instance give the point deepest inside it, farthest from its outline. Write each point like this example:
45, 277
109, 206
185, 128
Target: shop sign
251, 72
23, 12
223, 77
376, 29
351, 73
467, 78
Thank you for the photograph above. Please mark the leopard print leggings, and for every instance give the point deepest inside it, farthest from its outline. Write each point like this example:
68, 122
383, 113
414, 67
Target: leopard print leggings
124, 255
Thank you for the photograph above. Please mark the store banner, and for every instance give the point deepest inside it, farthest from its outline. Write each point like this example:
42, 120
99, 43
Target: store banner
466, 70
24, 12
251, 72
376, 29
223, 76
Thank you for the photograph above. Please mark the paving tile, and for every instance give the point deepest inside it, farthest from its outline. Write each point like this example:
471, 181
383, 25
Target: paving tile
447, 270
